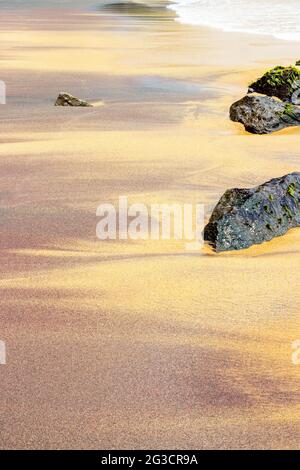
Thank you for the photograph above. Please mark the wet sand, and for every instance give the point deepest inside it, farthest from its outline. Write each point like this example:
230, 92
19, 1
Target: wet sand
138, 344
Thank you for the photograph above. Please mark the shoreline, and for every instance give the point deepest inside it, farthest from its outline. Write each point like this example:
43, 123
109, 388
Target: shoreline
183, 18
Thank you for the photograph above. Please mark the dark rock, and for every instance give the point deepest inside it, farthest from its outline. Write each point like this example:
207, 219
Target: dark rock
280, 82
244, 217
297, 63
137, 9
262, 114
126, 7
65, 99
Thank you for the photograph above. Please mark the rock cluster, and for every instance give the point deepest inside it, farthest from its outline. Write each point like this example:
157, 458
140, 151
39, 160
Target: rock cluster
276, 105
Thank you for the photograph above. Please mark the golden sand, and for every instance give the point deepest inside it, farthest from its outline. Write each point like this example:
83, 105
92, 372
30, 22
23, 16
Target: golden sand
139, 344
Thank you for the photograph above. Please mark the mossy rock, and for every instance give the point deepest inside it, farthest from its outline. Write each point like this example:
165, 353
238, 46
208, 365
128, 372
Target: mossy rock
279, 81
263, 114
244, 217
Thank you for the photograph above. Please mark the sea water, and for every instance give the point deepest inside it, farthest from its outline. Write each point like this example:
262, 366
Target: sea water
278, 18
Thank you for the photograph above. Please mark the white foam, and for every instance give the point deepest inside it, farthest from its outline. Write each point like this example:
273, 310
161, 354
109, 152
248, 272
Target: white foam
278, 18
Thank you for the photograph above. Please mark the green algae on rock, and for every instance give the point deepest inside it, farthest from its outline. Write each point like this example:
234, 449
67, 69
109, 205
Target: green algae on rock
279, 81
244, 217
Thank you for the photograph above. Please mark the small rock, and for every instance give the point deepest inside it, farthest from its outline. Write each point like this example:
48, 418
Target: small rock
244, 217
65, 99
262, 114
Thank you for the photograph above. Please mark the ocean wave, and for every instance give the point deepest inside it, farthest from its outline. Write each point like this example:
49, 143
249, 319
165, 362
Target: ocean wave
278, 18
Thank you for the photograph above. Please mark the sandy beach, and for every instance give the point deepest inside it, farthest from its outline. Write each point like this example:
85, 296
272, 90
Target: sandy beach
138, 344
